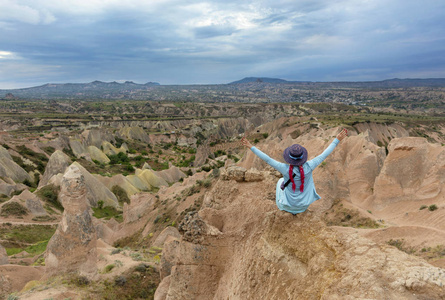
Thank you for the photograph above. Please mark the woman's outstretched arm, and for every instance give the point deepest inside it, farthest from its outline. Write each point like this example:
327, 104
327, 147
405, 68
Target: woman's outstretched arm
281, 167
313, 163
246, 143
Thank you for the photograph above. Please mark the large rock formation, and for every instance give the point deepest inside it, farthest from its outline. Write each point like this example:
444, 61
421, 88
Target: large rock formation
97, 154
255, 251
8, 186
171, 175
151, 178
109, 149
73, 247
13, 278
96, 190
58, 162
9, 169
31, 202
135, 133
413, 170
96, 137
119, 180
77, 147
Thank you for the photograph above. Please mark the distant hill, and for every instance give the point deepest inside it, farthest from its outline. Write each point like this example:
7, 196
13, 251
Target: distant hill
388, 83
95, 89
154, 91
259, 79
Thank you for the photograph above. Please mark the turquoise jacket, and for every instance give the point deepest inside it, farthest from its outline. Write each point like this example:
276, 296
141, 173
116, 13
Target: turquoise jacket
288, 200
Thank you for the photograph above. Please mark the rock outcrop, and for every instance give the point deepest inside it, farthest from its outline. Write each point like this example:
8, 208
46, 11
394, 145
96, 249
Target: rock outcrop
58, 162
8, 186
3, 256
151, 178
10, 169
96, 189
234, 173
258, 252
97, 154
135, 133
171, 175
169, 231
119, 180
73, 247
413, 170
109, 149
31, 202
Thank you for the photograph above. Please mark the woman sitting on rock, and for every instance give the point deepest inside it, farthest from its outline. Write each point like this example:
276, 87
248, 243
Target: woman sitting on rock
298, 172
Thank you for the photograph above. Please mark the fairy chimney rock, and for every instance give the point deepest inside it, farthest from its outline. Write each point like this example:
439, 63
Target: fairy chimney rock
73, 247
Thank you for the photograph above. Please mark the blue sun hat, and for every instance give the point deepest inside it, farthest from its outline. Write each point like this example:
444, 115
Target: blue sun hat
295, 155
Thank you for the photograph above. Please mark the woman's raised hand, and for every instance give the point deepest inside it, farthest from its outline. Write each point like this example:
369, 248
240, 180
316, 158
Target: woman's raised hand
342, 134
246, 143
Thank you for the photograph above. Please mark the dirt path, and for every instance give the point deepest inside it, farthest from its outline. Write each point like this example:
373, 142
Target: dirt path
28, 223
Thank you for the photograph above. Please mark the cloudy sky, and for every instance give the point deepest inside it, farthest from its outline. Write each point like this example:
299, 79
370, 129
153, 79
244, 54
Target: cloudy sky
185, 41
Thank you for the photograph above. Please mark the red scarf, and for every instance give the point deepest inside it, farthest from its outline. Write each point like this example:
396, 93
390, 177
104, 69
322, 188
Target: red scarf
291, 172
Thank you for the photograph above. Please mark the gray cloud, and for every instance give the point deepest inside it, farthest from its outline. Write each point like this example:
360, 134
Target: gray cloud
173, 41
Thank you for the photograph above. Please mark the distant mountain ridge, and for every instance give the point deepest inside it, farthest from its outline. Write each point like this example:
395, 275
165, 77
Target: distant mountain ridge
262, 79
387, 83
93, 84
96, 90
155, 91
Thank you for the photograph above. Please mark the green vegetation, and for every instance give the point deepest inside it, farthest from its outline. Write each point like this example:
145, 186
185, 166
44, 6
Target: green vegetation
33, 250
31, 238
13, 209
423, 207
107, 213
120, 158
219, 153
432, 207
205, 183
49, 150
139, 282
400, 244
120, 194
341, 216
18, 160
39, 159
50, 194
186, 162
432, 253
109, 268
3, 198
30, 234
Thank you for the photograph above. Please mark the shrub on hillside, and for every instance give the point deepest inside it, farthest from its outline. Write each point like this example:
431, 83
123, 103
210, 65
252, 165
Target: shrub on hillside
50, 194
432, 207
120, 194
13, 208
119, 158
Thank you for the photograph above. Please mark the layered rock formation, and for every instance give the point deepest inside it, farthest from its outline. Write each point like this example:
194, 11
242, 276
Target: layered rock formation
171, 175
97, 191
239, 246
97, 154
413, 171
73, 247
109, 149
9, 169
32, 203
57, 164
